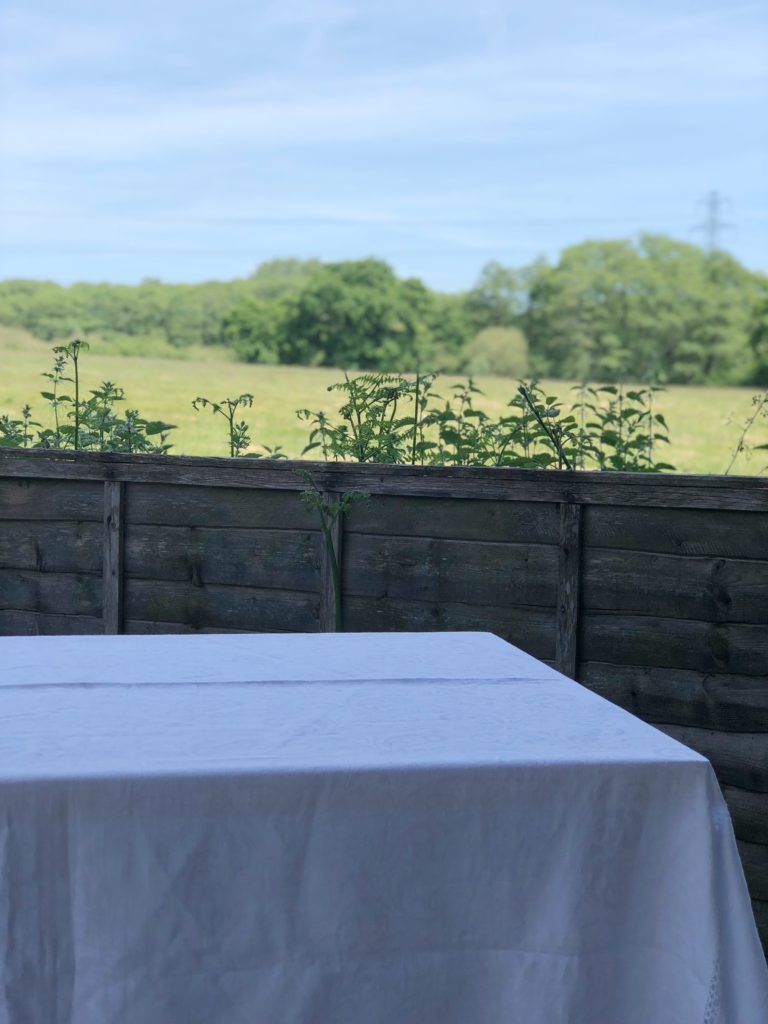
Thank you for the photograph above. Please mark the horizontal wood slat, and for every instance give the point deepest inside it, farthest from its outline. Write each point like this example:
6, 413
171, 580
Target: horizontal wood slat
230, 508
749, 813
247, 608
728, 702
520, 522
693, 587
739, 759
14, 622
438, 570
59, 594
641, 489
36, 499
719, 647
41, 546
532, 629
271, 559
709, 531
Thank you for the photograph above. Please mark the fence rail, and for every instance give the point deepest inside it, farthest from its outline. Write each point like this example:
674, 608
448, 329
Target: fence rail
650, 589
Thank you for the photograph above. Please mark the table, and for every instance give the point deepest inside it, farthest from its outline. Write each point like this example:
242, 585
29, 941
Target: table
353, 829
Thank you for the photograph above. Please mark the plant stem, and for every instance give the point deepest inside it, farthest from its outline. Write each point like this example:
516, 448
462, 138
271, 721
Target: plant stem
75, 356
335, 573
562, 458
760, 403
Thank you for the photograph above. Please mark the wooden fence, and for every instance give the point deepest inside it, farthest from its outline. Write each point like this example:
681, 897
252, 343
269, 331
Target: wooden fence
652, 590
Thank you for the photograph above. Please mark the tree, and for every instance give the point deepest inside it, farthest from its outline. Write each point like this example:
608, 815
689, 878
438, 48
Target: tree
500, 351
758, 334
660, 309
255, 329
277, 278
357, 314
498, 299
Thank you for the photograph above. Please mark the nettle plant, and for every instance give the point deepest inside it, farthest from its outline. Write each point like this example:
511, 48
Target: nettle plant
238, 431
388, 418
744, 444
618, 428
376, 424
80, 423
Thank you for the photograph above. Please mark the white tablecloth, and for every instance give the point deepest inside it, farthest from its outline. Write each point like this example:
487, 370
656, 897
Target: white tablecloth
353, 829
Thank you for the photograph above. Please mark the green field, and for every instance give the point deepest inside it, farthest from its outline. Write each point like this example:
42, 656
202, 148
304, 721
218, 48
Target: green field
705, 423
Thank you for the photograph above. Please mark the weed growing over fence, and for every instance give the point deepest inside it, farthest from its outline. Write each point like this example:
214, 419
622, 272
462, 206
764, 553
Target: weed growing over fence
760, 409
239, 436
387, 418
238, 431
395, 420
84, 424
373, 427
329, 512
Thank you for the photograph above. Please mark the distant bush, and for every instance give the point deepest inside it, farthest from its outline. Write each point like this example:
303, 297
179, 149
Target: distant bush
498, 351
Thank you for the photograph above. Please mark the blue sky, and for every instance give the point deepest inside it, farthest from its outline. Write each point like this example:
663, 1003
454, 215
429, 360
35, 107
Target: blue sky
192, 140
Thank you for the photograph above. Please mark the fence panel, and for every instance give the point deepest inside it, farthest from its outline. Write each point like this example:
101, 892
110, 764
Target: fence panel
651, 590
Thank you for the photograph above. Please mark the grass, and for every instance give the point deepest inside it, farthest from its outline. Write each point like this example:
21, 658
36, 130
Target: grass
705, 423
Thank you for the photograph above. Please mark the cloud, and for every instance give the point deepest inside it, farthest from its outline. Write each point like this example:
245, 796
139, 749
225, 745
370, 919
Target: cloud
395, 116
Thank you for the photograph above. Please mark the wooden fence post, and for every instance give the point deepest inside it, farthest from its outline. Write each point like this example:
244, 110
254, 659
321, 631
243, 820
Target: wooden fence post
112, 602
568, 590
327, 588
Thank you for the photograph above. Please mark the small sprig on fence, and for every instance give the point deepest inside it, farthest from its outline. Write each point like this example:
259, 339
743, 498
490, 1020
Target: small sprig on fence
329, 512
239, 432
759, 411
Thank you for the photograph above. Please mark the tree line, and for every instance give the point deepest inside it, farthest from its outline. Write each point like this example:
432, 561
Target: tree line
654, 309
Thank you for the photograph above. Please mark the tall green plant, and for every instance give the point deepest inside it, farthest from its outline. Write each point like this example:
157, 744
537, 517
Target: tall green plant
759, 411
376, 422
87, 424
619, 428
238, 431
239, 435
328, 513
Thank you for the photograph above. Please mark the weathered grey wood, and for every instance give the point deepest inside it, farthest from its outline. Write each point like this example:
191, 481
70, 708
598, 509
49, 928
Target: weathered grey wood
40, 499
270, 559
467, 572
740, 759
754, 858
225, 507
230, 607
678, 531
456, 519
728, 702
29, 623
532, 629
50, 593
329, 620
140, 626
749, 813
676, 586
760, 909
675, 643
51, 546
112, 606
568, 590
748, 493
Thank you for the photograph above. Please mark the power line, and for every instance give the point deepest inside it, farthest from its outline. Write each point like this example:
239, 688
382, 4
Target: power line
713, 225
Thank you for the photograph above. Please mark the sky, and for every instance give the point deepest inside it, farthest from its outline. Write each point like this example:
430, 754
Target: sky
187, 140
